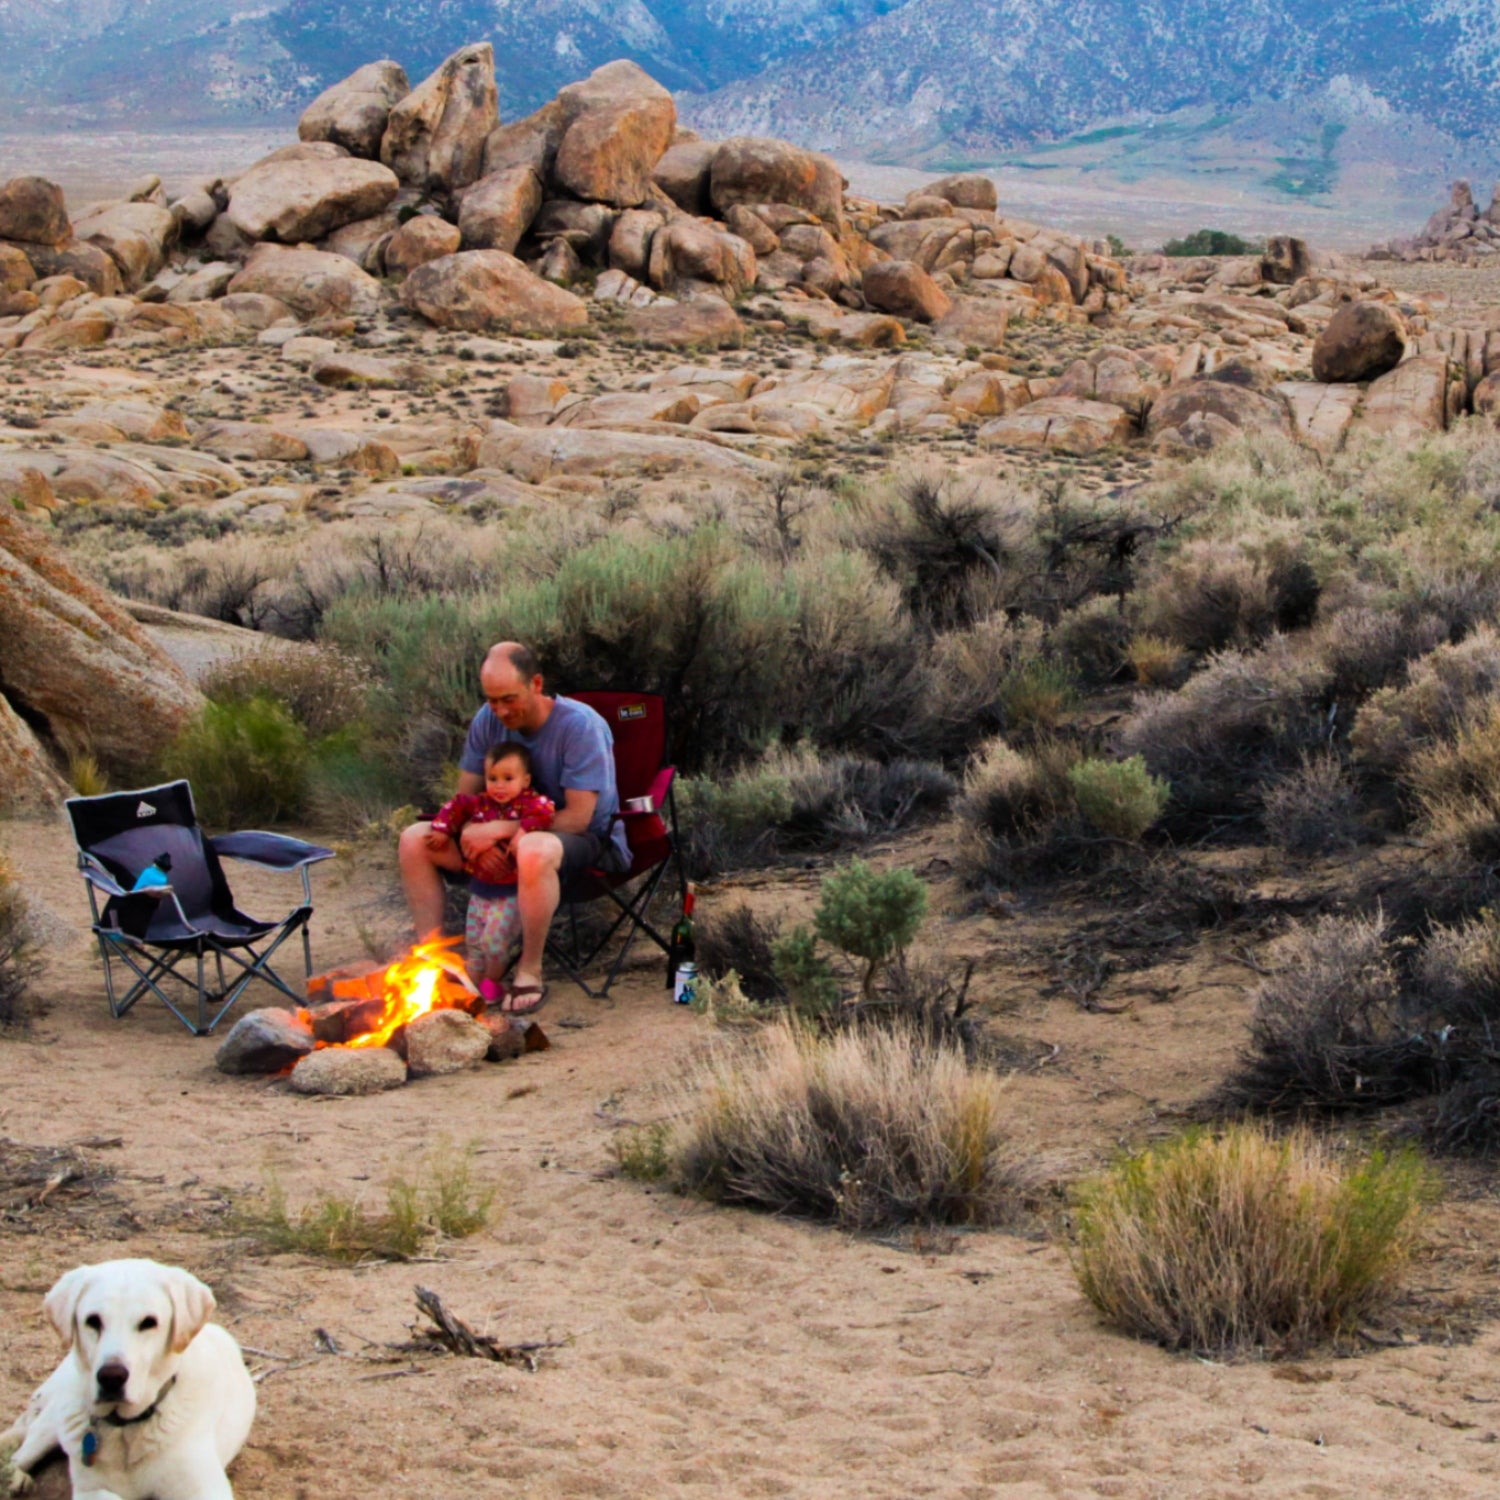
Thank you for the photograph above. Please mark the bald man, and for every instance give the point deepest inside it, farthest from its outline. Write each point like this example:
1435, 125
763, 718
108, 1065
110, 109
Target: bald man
573, 763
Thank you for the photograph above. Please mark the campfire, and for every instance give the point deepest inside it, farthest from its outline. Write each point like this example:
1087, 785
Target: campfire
370, 1009
366, 1028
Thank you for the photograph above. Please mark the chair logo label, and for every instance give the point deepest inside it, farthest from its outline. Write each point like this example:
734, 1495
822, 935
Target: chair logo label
144, 810
633, 711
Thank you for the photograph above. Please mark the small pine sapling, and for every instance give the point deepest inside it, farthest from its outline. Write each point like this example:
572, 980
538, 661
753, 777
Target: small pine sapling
870, 914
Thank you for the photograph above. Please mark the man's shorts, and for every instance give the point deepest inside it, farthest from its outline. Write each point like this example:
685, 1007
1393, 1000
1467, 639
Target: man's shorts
583, 851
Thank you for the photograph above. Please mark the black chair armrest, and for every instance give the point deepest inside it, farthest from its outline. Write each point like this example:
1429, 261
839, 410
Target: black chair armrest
276, 851
98, 877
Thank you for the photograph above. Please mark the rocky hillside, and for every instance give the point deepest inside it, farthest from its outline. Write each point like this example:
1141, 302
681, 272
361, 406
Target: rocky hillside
880, 78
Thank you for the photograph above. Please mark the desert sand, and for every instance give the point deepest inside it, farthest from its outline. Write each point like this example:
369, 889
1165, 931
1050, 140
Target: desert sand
707, 1351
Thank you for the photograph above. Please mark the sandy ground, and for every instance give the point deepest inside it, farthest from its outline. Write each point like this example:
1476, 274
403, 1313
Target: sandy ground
708, 1352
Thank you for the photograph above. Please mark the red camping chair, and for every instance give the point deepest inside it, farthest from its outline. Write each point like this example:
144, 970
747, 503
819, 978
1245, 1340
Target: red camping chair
638, 722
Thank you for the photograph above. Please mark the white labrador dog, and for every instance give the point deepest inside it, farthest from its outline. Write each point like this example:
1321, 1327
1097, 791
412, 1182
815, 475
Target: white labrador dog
151, 1401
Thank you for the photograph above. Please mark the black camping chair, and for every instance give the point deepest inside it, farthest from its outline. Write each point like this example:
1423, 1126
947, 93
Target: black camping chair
122, 834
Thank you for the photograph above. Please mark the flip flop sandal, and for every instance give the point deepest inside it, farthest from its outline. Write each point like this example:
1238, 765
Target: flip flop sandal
525, 999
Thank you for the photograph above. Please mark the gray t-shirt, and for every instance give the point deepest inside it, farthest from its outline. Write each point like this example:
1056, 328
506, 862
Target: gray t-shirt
574, 748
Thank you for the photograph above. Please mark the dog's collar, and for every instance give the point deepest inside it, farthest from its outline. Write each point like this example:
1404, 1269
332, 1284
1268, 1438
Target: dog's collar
114, 1419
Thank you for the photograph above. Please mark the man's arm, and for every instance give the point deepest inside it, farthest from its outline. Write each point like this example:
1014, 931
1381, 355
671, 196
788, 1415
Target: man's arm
470, 783
576, 812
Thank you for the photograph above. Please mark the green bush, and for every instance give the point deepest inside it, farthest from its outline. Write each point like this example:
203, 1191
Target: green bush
803, 973
1237, 1242
247, 762
323, 690
1211, 242
1121, 798
870, 914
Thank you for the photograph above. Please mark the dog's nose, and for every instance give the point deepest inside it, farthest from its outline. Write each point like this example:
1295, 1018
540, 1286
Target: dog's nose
112, 1378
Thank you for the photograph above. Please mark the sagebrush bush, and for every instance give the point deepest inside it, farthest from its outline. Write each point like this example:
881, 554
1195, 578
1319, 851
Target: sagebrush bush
322, 689
1327, 1028
1093, 639
1243, 719
1456, 785
1121, 798
737, 939
1018, 816
860, 1127
1155, 661
247, 762
1241, 1242
19, 955
1314, 809
1458, 975
803, 974
1365, 648
1449, 687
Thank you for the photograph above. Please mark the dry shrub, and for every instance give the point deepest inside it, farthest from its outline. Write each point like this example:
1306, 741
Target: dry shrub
324, 689
862, 1127
738, 941
1094, 639
1245, 717
1312, 810
19, 956
1457, 790
1215, 593
1367, 647
1459, 976
1241, 1242
1447, 688
1018, 816
1155, 661
1327, 1030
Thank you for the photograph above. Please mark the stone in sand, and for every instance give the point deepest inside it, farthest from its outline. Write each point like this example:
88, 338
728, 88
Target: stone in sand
348, 1071
264, 1041
445, 1041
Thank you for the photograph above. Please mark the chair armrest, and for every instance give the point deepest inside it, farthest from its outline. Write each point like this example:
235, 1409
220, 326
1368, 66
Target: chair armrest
661, 785
98, 877
276, 851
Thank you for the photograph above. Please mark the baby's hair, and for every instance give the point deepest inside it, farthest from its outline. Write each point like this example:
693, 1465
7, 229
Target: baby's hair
508, 748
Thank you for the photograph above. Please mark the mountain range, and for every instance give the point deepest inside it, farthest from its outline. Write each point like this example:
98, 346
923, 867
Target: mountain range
927, 82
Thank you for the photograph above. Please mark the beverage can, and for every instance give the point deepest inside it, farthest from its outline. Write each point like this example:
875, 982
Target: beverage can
640, 805
685, 986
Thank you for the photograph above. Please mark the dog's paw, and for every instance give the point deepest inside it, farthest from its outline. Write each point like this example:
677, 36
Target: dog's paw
20, 1482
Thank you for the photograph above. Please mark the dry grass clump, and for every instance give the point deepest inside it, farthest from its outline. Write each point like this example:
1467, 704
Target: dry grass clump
1312, 810
446, 1201
19, 957
323, 689
862, 1127
1241, 1242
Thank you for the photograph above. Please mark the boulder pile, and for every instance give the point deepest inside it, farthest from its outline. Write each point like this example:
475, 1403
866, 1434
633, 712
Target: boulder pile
1459, 231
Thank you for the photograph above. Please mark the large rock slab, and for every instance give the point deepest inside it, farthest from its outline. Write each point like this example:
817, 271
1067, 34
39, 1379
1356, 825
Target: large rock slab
1321, 414
32, 210
313, 283
264, 1041
90, 264
435, 137
1362, 341
1123, 377
1061, 424
348, 1071
539, 454
136, 236
16, 270
354, 112
477, 290
683, 175
965, 190
902, 287
418, 241
445, 1041
620, 122
977, 322
293, 201
31, 783
1409, 402
697, 252
1201, 414
530, 142
758, 169
705, 322
498, 209
87, 673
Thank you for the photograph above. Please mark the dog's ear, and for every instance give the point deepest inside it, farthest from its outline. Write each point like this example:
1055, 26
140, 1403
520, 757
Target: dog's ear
61, 1303
192, 1306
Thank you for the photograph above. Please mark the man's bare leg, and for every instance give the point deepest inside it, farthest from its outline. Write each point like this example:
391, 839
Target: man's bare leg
538, 860
420, 878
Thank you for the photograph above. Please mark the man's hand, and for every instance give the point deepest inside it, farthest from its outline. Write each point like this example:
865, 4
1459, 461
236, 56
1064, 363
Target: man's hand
436, 839
478, 837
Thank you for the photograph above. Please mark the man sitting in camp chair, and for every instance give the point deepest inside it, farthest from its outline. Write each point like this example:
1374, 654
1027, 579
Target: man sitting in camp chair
573, 764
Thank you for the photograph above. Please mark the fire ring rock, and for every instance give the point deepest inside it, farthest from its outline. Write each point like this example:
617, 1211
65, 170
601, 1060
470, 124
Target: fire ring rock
445, 1041
348, 1071
264, 1041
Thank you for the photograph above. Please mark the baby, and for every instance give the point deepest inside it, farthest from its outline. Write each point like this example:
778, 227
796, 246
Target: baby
494, 914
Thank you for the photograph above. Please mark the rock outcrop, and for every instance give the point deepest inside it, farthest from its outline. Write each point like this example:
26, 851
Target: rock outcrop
355, 111
435, 136
478, 290
306, 196
617, 124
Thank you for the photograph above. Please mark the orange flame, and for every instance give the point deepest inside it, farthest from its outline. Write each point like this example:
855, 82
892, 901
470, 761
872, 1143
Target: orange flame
423, 980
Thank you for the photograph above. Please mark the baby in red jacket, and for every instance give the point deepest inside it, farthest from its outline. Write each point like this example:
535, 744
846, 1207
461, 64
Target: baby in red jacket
494, 921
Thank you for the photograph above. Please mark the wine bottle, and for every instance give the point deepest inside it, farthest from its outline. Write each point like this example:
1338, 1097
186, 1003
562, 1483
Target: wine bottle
681, 949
